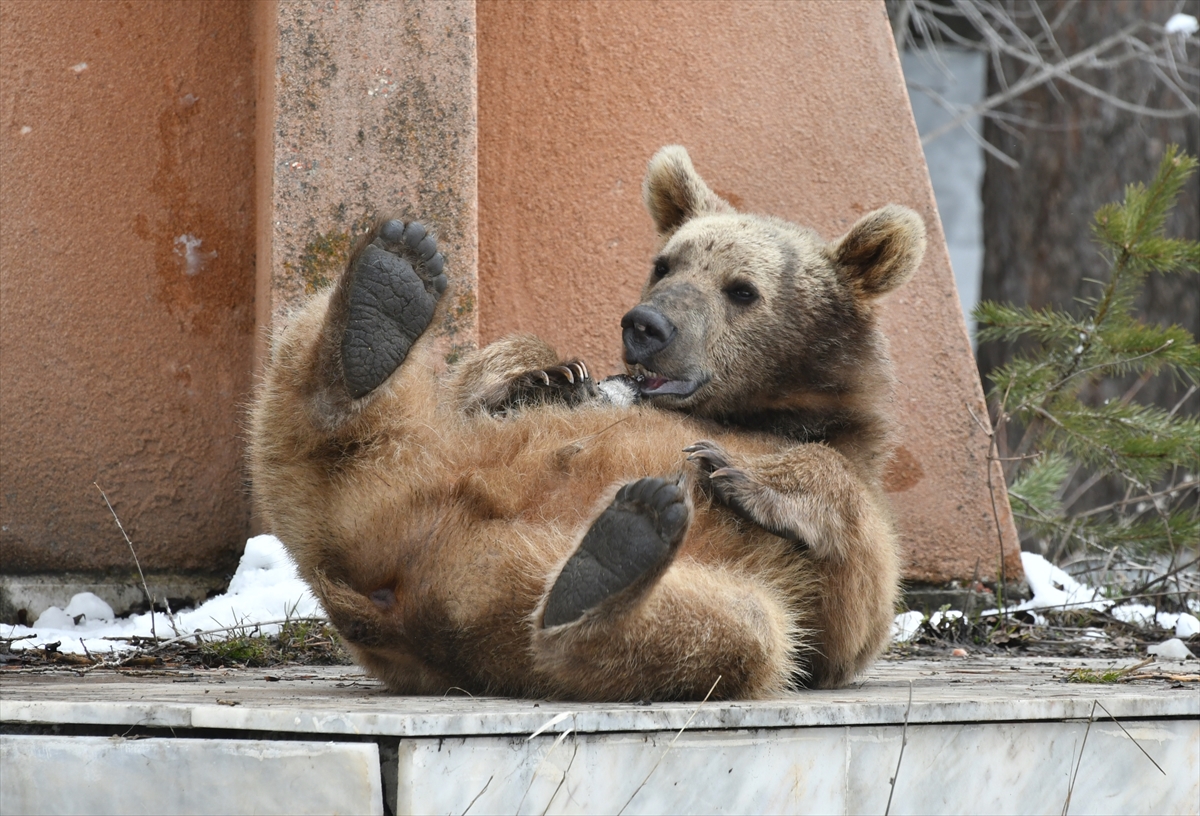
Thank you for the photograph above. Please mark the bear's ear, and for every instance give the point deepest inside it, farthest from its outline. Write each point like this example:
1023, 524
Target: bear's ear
881, 251
674, 192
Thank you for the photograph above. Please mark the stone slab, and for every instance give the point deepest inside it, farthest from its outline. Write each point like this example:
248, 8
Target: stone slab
343, 701
87, 775
995, 768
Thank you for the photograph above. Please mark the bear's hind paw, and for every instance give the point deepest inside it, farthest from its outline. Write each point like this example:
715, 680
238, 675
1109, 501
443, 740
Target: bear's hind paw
393, 286
626, 548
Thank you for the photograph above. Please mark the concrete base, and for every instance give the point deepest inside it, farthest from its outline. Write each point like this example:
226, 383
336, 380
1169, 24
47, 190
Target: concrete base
24, 597
982, 736
85, 775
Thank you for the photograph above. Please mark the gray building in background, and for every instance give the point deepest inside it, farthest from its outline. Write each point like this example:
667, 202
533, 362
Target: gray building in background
955, 159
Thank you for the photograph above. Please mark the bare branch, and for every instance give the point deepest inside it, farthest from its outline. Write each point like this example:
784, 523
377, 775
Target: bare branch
1003, 31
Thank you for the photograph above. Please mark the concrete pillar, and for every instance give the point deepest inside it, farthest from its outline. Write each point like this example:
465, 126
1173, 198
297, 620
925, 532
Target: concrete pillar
366, 109
793, 109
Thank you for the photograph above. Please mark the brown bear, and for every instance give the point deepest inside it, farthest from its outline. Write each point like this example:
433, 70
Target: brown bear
714, 516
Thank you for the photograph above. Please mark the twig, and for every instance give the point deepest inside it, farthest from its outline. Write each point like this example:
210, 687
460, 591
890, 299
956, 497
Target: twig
669, 747
993, 453
1142, 589
546, 758
1047, 73
1145, 497
146, 589
1078, 372
1182, 400
1131, 737
899, 759
259, 624
563, 781
11, 640
900, 25
476, 799
1079, 759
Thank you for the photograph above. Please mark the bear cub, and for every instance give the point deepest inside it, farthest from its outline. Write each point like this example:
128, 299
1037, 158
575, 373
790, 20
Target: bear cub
713, 520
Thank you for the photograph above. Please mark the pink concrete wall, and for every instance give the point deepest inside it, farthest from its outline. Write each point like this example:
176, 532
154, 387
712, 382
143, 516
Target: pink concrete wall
127, 131
793, 109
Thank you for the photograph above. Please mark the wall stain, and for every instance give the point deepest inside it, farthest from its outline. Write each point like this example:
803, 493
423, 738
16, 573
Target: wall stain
213, 295
903, 472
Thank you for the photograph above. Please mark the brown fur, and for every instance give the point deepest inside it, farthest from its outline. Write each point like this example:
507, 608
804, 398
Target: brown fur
432, 530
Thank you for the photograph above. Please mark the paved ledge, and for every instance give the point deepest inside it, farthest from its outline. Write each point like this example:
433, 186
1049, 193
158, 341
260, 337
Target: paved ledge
984, 735
333, 701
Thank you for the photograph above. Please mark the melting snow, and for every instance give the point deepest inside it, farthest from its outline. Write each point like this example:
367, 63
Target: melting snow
1052, 587
265, 588
1172, 649
1184, 24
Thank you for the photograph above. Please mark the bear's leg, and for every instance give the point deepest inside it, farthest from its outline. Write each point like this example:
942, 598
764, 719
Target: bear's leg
809, 495
334, 390
622, 553
699, 629
625, 620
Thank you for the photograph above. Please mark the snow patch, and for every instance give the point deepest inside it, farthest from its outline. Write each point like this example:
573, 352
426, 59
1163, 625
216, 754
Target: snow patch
905, 626
1053, 588
935, 620
1184, 24
266, 587
1172, 649
1135, 613
1185, 625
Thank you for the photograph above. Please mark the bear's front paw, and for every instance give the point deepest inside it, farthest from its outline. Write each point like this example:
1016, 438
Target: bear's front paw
720, 476
738, 490
392, 288
568, 383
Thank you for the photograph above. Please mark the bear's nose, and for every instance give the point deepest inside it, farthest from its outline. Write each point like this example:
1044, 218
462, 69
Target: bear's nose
645, 332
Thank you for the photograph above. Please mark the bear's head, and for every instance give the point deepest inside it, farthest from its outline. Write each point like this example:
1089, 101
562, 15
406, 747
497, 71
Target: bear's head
743, 313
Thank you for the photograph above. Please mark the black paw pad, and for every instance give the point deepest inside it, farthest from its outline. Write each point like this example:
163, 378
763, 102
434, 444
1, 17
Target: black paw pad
633, 540
393, 289
415, 244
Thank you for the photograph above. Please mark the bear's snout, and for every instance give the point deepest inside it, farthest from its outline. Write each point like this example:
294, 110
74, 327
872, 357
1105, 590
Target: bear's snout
645, 332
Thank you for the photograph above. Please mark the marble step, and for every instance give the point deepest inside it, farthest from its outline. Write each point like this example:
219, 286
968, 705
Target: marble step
983, 735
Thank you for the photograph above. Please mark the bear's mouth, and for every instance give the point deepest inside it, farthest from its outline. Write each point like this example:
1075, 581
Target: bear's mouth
652, 385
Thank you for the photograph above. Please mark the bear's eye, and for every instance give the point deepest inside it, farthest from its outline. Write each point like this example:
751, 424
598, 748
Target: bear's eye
661, 268
741, 293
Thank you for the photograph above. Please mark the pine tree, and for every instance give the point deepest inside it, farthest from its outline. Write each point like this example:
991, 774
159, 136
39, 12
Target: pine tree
1064, 440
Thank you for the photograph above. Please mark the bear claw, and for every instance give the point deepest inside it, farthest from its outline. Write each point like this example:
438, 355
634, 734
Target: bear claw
393, 287
568, 383
630, 543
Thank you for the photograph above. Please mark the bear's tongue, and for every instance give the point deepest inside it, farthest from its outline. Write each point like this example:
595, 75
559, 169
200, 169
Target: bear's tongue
661, 385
